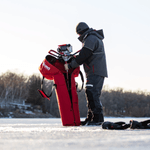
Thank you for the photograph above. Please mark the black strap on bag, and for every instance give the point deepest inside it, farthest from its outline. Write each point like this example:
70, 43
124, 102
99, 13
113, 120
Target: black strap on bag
43, 94
82, 78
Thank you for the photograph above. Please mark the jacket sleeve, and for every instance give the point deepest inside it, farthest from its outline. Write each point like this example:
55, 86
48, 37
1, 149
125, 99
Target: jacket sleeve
84, 54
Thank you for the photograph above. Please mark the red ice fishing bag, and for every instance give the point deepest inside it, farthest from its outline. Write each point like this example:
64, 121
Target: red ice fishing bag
52, 68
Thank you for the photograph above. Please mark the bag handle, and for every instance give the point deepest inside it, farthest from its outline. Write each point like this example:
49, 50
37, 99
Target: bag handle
82, 78
43, 94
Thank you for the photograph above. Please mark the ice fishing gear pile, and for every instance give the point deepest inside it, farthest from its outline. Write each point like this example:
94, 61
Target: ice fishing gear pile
52, 68
122, 125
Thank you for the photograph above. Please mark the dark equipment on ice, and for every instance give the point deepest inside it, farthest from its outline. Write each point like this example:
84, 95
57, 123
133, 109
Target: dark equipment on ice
122, 125
115, 126
52, 68
140, 125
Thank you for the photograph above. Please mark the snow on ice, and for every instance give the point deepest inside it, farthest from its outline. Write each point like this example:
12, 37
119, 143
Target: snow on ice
49, 134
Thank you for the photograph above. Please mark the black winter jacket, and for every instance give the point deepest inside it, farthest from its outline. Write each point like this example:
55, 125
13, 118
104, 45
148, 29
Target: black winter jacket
92, 54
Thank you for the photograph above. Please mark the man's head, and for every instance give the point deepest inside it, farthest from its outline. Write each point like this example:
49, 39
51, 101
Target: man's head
81, 28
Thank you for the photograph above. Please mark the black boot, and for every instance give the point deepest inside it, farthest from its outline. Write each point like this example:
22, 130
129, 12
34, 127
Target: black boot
88, 119
98, 119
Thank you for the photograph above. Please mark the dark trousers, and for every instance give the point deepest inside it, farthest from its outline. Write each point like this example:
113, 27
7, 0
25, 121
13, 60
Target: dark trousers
94, 86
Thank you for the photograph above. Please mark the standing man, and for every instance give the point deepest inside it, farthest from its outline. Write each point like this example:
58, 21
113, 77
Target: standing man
92, 56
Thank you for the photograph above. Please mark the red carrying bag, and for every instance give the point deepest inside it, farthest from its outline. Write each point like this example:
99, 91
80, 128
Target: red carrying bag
53, 69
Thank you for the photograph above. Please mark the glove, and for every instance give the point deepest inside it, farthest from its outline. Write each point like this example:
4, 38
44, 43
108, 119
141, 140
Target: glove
66, 67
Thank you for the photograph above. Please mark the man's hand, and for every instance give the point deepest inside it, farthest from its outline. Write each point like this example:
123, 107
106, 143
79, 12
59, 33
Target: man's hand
66, 67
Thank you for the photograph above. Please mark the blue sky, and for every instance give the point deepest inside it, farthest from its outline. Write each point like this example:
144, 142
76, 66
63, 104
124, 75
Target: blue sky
30, 28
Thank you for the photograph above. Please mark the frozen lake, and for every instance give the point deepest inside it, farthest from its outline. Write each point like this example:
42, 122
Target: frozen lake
49, 134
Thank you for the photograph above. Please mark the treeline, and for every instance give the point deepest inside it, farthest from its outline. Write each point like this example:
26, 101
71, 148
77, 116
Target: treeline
16, 88
12, 87
116, 102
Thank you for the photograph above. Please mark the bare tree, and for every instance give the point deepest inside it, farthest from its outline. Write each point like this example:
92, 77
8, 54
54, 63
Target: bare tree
12, 87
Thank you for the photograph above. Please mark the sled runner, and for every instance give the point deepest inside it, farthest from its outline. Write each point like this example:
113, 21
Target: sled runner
52, 68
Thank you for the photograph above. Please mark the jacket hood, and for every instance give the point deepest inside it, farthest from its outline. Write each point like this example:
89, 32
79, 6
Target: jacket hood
98, 33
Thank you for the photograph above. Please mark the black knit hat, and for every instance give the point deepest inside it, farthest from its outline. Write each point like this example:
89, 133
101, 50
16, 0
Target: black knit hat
81, 27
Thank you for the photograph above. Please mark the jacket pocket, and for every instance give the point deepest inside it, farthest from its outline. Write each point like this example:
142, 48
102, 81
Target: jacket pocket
93, 68
86, 68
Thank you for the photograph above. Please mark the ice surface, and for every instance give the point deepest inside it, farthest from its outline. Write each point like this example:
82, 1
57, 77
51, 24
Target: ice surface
49, 134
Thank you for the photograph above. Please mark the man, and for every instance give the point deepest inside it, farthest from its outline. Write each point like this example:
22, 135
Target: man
92, 56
